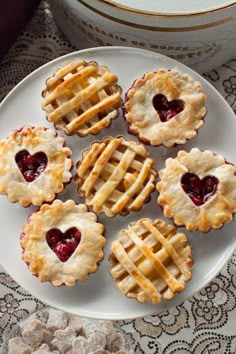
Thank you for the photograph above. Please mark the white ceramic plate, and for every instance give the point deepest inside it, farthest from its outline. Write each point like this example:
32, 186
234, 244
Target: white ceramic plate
98, 297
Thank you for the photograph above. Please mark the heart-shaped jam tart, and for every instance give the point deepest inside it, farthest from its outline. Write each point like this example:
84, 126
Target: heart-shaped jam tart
31, 166
167, 109
199, 191
63, 244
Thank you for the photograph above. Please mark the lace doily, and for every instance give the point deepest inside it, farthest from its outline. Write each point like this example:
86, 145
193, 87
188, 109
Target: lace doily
203, 324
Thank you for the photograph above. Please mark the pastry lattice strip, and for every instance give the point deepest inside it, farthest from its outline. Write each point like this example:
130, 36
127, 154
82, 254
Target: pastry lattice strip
82, 98
116, 175
156, 265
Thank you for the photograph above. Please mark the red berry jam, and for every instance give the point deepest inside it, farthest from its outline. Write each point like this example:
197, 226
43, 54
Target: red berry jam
31, 166
63, 244
167, 109
199, 191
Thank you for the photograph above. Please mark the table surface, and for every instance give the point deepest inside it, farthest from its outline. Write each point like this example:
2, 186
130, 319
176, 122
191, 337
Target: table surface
203, 324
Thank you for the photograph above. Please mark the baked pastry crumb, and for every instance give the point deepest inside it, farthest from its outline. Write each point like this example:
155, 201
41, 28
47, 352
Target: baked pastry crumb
43, 333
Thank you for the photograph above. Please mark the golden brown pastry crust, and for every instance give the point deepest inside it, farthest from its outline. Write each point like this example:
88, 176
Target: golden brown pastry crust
51, 181
144, 121
115, 176
43, 262
151, 261
177, 205
82, 98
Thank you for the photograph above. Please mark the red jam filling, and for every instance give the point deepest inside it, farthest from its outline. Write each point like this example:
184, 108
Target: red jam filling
167, 109
199, 191
63, 244
31, 166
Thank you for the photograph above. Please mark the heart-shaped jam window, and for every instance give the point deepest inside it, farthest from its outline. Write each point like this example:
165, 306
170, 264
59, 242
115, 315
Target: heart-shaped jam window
63, 244
199, 190
167, 109
31, 166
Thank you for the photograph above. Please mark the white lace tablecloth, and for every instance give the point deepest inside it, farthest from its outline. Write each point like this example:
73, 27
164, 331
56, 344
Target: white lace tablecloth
203, 324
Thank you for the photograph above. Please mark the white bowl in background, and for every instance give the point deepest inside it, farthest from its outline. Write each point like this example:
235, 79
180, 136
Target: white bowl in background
200, 33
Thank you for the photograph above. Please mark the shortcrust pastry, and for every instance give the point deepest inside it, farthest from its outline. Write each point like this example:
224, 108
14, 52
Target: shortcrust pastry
35, 165
115, 176
62, 243
197, 189
151, 261
165, 107
82, 98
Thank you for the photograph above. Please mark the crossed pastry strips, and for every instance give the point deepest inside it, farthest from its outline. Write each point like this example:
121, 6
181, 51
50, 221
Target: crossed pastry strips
82, 98
115, 176
151, 261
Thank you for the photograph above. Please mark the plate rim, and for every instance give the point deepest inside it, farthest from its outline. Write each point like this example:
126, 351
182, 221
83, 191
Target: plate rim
149, 54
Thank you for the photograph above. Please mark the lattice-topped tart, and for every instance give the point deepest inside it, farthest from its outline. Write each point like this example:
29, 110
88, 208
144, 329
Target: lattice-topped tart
151, 261
35, 165
115, 176
198, 190
82, 98
62, 243
165, 107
